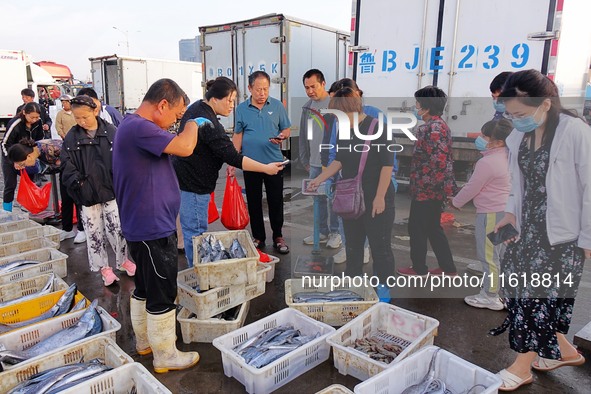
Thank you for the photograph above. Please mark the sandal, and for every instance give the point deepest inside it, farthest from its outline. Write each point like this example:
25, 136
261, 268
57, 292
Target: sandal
258, 244
280, 246
512, 382
547, 364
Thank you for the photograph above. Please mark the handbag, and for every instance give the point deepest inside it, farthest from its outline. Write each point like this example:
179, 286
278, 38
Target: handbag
348, 200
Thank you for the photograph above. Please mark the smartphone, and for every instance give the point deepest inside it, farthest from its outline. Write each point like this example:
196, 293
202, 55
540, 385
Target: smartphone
276, 139
284, 163
504, 233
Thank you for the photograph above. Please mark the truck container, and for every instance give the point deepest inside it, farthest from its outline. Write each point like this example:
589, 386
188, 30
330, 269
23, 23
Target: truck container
399, 46
282, 46
122, 81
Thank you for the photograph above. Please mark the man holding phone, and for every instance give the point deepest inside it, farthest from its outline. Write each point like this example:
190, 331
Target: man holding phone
261, 125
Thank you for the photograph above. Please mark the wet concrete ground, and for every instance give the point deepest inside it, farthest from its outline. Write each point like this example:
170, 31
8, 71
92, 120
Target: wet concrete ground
462, 331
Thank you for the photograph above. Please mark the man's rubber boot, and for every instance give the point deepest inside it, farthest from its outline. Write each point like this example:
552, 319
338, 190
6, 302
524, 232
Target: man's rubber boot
7, 206
139, 322
162, 337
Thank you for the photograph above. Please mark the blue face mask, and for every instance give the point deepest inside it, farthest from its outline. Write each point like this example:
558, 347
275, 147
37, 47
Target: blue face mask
415, 112
499, 107
527, 123
480, 143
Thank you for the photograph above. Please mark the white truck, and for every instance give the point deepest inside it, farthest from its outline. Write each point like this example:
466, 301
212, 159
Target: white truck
284, 47
16, 73
399, 46
122, 81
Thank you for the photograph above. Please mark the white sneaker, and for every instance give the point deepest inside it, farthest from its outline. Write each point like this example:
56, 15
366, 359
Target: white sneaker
366, 255
67, 235
482, 300
340, 257
80, 237
310, 239
334, 241
475, 268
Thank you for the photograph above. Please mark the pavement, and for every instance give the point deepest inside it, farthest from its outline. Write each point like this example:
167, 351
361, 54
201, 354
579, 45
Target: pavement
462, 330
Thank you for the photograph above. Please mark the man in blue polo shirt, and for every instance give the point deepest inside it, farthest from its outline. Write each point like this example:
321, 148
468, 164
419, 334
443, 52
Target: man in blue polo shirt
261, 125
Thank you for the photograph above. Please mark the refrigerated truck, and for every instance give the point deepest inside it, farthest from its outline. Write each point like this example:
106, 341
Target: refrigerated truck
399, 46
284, 47
122, 81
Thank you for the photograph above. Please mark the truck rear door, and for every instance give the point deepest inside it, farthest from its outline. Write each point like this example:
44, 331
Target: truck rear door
134, 77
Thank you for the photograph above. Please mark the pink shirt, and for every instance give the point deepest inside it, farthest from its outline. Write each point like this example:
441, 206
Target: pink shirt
489, 185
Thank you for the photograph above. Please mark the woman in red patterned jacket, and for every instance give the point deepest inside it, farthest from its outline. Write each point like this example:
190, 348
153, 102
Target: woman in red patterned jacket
431, 182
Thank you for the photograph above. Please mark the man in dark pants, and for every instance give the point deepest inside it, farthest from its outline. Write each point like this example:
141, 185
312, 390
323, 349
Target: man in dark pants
431, 183
148, 196
261, 125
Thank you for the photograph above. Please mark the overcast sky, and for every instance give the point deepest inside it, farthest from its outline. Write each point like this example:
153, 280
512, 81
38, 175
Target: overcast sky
71, 32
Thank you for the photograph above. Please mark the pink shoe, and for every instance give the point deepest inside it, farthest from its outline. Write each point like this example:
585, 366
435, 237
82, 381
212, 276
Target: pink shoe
108, 276
409, 271
129, 267
439, 271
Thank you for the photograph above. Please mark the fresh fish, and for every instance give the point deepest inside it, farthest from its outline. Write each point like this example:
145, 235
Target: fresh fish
236, 250
15, 265
229, 315
423, 386
377, 348
331, 296
63, 305
48, 288
79, 305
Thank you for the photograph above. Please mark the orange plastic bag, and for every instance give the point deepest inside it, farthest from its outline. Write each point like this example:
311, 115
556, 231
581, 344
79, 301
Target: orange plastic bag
234, 212
33, 198
212, 210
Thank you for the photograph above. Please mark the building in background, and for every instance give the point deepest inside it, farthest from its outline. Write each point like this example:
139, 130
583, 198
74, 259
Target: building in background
189, 50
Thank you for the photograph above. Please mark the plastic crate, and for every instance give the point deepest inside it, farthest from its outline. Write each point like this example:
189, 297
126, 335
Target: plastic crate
231, 271
25, 337
48, 232
17, 225
26, 245
220, 299
21, 288
195, 330
122, 379
458, 374
284, 369
51, 260
407, 329
99, 347
29, 309
335, 389
271, 274
333, 313
9, 217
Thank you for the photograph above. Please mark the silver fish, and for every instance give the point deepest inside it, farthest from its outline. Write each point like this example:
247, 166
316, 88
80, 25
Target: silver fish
47, 288
79, 305
424, 384
15, 265
331, 296
236, 250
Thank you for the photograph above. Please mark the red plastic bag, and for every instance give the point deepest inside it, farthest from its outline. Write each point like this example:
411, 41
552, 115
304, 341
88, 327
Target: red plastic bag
263, 257
31, 197
234, 212
212, 210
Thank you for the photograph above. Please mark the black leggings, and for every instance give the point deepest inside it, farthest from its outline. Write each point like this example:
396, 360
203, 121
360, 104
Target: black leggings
10, 179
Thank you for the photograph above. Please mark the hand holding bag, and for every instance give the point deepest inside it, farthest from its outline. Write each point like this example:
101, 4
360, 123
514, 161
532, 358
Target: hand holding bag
348, 200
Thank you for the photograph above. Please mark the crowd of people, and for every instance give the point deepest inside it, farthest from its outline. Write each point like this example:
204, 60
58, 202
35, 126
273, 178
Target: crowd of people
534, 175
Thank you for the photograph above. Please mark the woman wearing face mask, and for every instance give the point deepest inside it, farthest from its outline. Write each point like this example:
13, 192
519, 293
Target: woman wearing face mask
27, 124
550, 206
489, 187
198, 173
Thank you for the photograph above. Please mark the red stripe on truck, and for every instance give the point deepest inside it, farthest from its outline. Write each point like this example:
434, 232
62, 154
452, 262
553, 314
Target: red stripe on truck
554, 48
353, 19
559, 5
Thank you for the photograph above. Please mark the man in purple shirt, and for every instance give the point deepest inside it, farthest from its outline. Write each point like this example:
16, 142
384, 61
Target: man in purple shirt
148, 196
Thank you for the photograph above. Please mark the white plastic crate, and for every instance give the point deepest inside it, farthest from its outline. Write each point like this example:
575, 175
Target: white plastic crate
25, 337
99, 347
335, 389
271, 274
407, 329
51, 260
122, 379
458, 374
195, 330
26, 245
9, 217
21, 288
220, 299
231, 271
20, 224
38, 231
284, 369
333, 313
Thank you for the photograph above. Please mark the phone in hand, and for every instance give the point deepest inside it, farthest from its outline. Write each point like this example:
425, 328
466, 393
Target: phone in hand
284, 163
276, 139
503, 234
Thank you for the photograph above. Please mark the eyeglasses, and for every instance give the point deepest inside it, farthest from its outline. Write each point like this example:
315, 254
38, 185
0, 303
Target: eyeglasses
509, 116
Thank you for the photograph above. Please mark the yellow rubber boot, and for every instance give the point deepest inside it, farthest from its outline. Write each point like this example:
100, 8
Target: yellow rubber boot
162, 337
140, 326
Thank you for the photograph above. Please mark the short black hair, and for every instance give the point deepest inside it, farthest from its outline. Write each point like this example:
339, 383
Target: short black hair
28, 92
90, 92
313, 72
219, 88
258, 74
432, 98
165, 89
499, 81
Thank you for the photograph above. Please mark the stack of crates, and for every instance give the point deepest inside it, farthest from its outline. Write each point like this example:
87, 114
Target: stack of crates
223, 285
